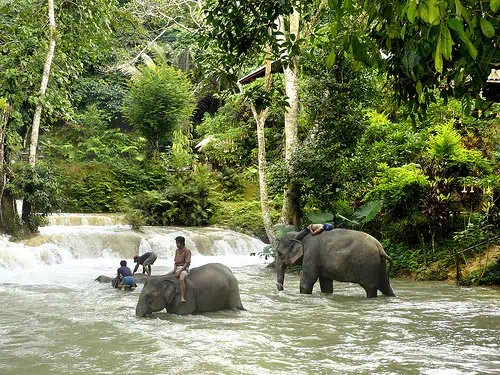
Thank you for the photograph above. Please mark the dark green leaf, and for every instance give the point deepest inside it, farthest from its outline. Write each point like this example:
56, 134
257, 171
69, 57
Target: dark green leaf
487, 28
330, 60
446, 43
438, 59
456, 25
494, 5
412, 9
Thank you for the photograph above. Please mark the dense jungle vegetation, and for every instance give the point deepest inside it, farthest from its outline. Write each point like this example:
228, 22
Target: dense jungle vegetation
373, 115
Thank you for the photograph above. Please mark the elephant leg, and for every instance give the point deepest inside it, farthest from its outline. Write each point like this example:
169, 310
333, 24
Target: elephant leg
306, 284
326, 285
371, 291
387, 290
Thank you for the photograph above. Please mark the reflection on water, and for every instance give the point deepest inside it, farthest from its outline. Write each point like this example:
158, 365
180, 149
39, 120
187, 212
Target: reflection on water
65, 323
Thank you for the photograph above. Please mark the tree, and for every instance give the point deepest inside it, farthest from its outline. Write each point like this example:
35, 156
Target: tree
7, 205
241, 30
450, 45
260, 116
83, 29
160, 101
43, 86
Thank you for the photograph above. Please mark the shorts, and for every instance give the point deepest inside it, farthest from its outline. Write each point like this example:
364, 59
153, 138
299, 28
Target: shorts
128, 280
178, 268
151, 259
327, 226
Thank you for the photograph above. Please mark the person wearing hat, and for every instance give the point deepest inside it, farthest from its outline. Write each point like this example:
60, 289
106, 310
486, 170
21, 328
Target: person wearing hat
146, 260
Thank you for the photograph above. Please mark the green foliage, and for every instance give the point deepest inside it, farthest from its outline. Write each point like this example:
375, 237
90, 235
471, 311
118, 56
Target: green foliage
244, 216
104, 91
320, 217
490, 275
330, 126
185, 199
449, 45
86, 139
135, 219
39, 187
228, 135
446, 144
368, 211
238, 30
400, 187
92, 187
180, 155
83, 35
160, 101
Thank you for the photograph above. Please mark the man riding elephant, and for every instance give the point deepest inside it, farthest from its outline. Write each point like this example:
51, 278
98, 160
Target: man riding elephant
182, 261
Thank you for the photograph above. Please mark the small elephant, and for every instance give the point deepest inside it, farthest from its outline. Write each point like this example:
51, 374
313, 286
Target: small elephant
210, 287
341, 255
139, 278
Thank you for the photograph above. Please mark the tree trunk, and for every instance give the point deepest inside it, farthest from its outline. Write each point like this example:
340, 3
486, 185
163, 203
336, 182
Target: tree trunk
260, 119
8, 211
290, 213
35, 129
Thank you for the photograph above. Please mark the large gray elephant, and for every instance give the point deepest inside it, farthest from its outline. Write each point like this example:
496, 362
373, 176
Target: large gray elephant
210, 287
341, 255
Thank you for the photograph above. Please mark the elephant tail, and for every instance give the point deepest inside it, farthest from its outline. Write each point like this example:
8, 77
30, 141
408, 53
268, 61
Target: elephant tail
385, 257
389, 259
384, 284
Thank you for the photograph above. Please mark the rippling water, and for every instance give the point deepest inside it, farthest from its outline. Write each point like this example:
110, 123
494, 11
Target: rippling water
55, 319
71, 324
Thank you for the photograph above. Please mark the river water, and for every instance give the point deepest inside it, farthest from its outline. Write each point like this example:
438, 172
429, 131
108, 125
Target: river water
55, 319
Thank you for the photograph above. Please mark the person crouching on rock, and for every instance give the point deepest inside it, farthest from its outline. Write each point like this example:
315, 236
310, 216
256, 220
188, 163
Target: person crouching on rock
124, 276
146, 259
182, 261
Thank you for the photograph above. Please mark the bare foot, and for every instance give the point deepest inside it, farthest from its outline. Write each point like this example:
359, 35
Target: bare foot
183, 301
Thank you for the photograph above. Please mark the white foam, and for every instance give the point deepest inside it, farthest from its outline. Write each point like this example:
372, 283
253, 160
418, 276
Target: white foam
107, 245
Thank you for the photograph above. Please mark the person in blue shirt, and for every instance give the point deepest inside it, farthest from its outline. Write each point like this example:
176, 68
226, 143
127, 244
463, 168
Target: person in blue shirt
124, 276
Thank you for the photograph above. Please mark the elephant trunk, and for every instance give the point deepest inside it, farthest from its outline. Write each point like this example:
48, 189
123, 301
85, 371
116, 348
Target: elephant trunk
280, 273
141, 309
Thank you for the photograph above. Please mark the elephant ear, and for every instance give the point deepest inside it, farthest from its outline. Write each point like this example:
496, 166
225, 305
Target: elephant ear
173, 283
296, 251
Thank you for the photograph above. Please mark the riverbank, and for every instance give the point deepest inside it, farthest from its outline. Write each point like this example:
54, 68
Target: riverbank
480, 268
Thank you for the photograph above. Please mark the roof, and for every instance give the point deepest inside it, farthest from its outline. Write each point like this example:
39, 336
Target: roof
276, 66
494, 76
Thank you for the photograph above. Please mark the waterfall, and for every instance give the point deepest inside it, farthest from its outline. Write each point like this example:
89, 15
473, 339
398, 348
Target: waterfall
59, 244
85, 219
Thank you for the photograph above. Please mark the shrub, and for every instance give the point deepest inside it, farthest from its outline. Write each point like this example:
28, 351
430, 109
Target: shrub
399, 188
186, 199
135, 219
160, 101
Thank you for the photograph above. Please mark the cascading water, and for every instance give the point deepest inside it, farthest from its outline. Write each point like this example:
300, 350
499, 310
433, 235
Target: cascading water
55, 319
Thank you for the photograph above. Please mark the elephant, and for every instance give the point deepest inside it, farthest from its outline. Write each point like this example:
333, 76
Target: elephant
210, 287
139, 278
341, 255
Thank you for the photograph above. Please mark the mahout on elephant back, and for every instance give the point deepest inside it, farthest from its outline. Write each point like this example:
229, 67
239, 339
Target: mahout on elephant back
341, 255
210, 287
